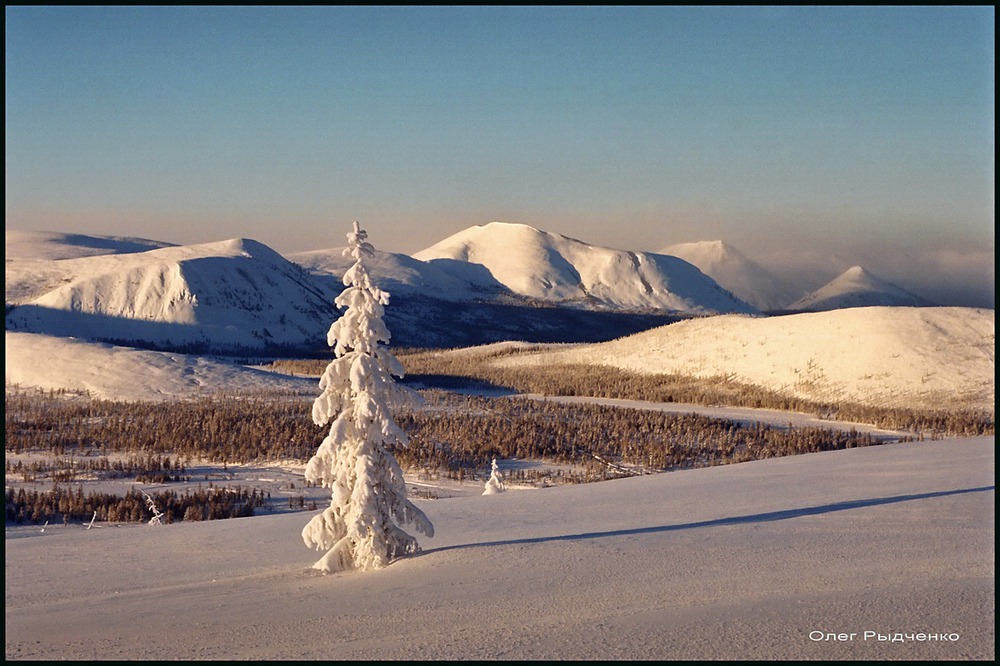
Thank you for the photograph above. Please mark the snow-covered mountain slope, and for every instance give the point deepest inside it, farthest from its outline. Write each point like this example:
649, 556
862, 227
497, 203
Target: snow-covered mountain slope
142, 299
32, 259
555, 268
856, 288
884, 356
50, 245
734, 271
398, 274
429, 307
231, 295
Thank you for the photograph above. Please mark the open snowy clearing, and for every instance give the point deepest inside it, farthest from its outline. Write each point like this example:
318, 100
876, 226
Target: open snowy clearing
748, 561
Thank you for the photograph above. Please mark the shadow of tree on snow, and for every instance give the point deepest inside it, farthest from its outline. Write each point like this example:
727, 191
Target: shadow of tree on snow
734, 520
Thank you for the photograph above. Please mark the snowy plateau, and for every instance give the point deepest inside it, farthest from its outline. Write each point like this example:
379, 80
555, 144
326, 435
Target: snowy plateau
876, 553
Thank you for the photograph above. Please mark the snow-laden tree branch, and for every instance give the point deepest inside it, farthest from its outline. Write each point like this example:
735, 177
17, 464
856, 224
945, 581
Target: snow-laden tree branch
358, 393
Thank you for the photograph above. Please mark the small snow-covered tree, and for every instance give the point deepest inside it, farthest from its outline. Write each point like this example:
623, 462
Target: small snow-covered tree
495, 483
359, 529
155, 510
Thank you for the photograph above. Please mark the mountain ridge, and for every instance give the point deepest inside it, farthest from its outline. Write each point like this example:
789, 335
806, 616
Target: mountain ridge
239, 295
564, 270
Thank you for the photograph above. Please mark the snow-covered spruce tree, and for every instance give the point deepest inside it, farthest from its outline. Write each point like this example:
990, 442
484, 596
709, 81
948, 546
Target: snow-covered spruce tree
359, 529
495, 483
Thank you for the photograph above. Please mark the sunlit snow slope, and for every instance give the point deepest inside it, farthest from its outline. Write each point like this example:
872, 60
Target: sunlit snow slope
123, 373
556, 268
887, 356
398, 274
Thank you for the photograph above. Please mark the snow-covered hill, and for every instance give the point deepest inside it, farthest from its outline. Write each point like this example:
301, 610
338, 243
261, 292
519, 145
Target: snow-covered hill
231, 295
856, 288
112, 372
885, 356
906, 357
734, 271
431, 307
558, 269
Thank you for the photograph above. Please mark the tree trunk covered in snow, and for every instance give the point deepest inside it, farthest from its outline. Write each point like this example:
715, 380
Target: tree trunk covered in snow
359, 529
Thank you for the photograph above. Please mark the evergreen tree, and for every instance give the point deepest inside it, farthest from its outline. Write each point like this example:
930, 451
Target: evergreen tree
359, 529
495, 483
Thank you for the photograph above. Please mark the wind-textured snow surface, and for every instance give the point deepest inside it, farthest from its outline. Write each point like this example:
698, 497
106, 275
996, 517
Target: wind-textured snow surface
884, 356
808, 557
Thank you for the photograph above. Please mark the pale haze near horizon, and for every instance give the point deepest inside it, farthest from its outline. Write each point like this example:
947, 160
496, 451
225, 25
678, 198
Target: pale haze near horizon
811, 139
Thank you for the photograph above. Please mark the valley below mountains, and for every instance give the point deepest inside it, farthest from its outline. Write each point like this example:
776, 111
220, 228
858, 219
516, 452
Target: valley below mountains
91, 313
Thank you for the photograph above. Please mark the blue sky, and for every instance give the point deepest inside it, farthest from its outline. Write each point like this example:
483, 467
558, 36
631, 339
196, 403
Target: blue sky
808, 138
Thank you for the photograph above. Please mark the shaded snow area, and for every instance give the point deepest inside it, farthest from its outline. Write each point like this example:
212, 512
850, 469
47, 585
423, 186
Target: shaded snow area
810, 557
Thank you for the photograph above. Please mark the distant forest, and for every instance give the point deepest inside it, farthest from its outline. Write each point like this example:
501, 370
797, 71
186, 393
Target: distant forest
431, 368
456, 435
